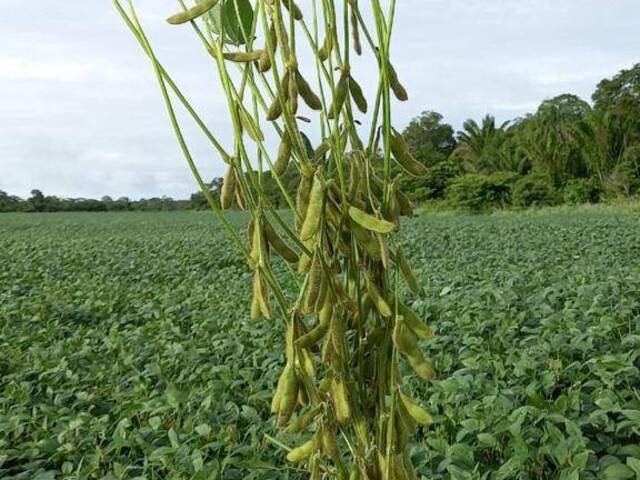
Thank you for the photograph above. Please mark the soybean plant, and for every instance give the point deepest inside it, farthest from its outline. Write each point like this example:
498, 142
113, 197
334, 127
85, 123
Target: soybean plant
347, 330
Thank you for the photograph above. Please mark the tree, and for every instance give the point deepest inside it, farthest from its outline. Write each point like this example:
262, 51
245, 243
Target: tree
431, 141
552, 140
622, 89
478, 145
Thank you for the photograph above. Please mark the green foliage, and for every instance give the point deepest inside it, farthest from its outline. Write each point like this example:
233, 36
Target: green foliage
582, 190
127, 351
431, 141
481, 192
533, 190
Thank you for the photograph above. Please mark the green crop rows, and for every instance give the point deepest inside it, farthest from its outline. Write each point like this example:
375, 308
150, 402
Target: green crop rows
126, 350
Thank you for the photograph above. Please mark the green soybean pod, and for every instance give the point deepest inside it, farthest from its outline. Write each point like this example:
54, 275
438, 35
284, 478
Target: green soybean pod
313, 285
327, 45
275, 110
243, 57
264, 62
405, 159
293, 93
307, 94
419, 414
398, 89
304, 451
340, 96
228, 190
278, 244
289, 396
313, 215
303, 421
407, 273
293, 9
358, 96
250, 126
340, 401
355, 29
370, 222
322, 149
376, 297
284, 155
414, 323
194, 12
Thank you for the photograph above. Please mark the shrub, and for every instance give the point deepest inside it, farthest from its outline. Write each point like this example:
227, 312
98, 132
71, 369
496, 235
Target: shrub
582, 190
481, 192
533, 190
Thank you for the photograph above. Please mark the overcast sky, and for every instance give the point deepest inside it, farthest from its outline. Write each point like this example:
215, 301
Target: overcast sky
81, 114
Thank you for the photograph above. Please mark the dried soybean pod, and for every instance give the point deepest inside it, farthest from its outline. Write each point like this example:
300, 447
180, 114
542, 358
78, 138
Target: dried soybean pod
289, 395
303, 421
399, 91
278, 244
340, 96
304, 451
307, 94
370, 222
284, 155
243, 57
194, 12
358, 96
419, 414
376, 297
414, 323
405, 159
313, 216
228, 190
407, 272
293, 9
340, 401
355, 31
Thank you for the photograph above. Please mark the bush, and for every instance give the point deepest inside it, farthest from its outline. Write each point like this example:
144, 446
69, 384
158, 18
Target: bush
481, 192
434, 185
533, 191
582, 190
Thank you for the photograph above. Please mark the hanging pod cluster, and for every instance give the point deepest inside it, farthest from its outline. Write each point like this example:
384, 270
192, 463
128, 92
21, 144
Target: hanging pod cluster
349, 334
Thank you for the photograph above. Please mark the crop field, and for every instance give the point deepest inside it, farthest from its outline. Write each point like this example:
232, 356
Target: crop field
127, 352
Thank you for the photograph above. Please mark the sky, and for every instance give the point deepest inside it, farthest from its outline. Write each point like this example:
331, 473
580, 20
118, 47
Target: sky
81, 114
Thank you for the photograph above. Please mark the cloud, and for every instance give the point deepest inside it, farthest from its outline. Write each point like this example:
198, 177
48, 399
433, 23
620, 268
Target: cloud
82, 116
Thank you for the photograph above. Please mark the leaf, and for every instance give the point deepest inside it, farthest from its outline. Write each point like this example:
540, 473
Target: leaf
173, 438
445, 291
634, 464
618, 471
203, 429
234, 28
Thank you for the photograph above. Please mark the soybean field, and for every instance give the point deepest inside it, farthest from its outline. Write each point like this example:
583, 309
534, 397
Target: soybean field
127, 352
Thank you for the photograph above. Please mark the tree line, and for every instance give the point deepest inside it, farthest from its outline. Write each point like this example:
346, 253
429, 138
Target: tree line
568, 151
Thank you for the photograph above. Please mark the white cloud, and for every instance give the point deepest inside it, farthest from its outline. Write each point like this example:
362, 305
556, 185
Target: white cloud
81, 113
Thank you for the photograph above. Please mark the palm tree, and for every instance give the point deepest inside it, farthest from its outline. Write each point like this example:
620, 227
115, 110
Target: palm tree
478, 145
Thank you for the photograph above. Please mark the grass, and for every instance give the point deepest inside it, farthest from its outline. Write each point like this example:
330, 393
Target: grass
126, 349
